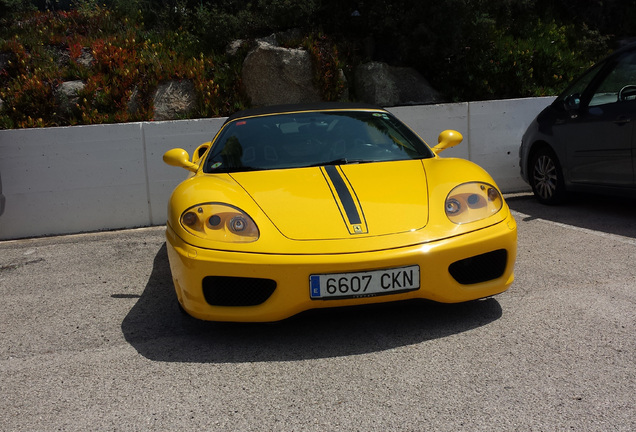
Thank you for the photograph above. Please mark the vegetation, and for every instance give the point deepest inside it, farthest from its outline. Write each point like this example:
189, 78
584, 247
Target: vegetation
120, 62
123, 49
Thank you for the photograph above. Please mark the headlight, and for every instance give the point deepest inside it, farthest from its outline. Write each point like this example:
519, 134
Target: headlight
471, 202
219, 222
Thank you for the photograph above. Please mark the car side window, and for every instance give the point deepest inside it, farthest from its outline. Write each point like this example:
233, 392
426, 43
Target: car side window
619, 85
570, 99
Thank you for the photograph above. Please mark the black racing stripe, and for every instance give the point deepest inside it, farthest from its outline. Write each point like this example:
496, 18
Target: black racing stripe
343, 193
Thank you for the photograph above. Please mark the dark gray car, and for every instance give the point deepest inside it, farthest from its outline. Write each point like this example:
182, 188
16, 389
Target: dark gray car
2, 198
585, 140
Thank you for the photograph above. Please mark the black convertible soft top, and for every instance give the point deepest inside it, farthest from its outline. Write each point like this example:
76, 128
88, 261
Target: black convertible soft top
275, 109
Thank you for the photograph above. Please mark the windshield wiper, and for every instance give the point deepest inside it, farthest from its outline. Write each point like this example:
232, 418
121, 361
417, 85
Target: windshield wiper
230, 170
343, 161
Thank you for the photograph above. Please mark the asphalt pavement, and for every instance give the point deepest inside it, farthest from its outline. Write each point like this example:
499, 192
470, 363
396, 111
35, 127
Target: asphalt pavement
92, 339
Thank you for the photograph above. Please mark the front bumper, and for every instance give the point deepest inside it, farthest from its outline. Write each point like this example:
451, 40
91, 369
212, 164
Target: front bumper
193, 267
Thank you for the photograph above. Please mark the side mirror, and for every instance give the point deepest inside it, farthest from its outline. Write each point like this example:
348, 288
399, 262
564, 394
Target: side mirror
572, 102
179, 158
446, 140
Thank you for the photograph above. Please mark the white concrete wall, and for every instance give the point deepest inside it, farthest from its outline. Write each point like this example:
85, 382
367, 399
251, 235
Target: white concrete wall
492, 132
88, 178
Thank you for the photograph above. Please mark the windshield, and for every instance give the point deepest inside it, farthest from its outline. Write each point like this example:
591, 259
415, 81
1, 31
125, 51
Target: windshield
312, 139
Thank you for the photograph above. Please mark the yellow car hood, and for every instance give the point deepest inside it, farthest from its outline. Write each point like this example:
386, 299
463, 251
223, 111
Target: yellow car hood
344, 201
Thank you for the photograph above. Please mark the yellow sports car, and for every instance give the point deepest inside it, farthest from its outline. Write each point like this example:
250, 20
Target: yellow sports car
293, 208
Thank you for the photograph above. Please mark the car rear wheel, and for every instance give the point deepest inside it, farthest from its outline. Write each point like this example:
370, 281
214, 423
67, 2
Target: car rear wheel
546, 177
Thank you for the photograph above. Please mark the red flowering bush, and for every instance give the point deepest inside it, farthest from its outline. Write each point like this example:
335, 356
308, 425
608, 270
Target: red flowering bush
27, 82
327, 67
119, 63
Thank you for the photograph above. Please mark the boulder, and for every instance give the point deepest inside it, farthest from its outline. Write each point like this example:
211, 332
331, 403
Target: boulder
380, 84
134, 104
63, 57
234, 46
274, 75
67, 94
86, 58
375, 84
174, 100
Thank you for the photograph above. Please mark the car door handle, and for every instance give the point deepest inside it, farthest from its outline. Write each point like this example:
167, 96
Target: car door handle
622, 120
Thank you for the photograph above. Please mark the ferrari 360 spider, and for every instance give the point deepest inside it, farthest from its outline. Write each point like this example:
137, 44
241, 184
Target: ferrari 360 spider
293, 208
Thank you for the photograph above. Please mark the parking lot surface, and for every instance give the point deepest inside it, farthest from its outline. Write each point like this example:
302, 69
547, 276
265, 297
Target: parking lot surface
92, 339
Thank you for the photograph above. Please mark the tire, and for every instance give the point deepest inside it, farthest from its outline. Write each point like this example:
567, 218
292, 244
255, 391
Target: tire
546, 177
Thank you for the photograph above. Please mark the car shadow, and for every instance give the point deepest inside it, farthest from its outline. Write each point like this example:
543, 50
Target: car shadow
158, 329
608, 214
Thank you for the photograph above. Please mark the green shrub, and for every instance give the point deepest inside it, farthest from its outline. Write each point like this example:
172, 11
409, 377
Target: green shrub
504, 51
10, 9
467, 49
539, 63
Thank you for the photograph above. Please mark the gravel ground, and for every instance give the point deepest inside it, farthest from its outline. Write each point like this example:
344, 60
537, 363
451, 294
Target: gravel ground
92, 339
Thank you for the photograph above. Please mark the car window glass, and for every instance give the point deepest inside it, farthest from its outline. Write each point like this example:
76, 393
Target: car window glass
312, 138
572, 96
619, 85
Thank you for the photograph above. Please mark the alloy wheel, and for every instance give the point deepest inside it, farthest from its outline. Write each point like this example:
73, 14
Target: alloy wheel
545, 175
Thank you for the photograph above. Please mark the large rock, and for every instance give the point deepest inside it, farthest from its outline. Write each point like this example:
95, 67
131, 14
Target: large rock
67, 94
63, 57
86, 58
380, 84
274, 75
174, 100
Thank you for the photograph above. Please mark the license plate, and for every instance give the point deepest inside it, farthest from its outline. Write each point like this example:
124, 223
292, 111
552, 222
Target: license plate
364, 284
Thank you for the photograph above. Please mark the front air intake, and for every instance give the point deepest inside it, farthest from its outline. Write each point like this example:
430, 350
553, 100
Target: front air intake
480, 268
236, 291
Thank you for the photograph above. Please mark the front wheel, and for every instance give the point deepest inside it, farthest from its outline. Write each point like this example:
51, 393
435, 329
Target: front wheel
546, 177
